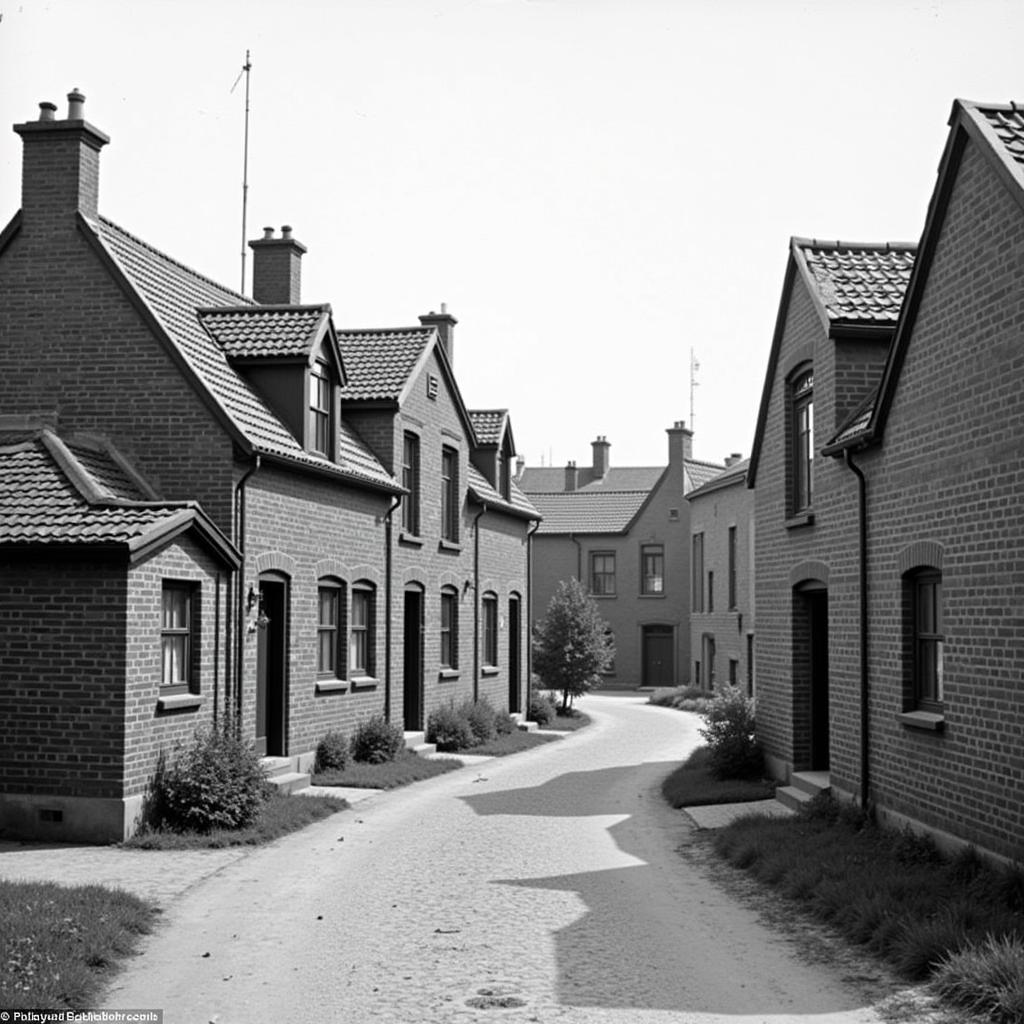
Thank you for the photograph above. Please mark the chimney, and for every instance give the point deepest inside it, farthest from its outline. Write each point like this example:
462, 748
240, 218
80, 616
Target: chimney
572, 476
600, 448
277, 268
445, 324
520, 466
731, 460
60, 166
680, 443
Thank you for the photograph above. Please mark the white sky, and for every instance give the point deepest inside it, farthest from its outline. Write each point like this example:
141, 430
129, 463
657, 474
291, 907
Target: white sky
592, 186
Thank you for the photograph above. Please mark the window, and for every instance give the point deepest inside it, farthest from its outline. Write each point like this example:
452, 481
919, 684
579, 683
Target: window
697, 572
711, 591
802, 469
927, 638
490, 625
321, 407
734, 671
732, 568
652, 569
177, 646
411, 482
328, 629
450, 495
360, 633
449, 628
602, 573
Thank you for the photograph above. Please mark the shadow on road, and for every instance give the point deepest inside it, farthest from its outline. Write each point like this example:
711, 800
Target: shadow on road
657, 934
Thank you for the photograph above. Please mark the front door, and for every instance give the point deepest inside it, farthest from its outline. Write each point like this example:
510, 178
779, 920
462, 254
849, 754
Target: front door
658, 659
412, 662
818, 607
514, 656
272, 669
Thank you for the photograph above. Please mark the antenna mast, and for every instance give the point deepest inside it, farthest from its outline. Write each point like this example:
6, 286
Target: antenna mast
694, 367
246, 69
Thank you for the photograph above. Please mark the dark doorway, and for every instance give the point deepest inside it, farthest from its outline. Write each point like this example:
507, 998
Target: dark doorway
658, 660
810, 678
819, 680
514, 654
412, 663
272, 669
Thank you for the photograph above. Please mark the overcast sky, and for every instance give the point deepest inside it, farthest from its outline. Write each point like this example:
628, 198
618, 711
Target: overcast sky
594, 187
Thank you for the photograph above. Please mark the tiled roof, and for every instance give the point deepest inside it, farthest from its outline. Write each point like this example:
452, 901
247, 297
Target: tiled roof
1008, 124
699, 473
265, 331
550, 479
106, 474
726, 476
858, 282
378, 362
174, 294
488, 424
481, 489
588, 511
41, 504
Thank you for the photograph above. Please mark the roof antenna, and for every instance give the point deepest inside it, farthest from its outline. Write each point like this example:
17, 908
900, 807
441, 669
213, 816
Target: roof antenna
694, 383
246, 68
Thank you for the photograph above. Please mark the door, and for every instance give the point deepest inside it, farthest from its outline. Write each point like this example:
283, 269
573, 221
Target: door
818, 608
272, 669
514, 655
658, 656
709, 651
412, 662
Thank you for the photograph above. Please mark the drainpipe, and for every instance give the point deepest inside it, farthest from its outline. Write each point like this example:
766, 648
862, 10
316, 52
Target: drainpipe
216, 660
240, 603
862, 512
529, 615
476, 602
579, 557
387, 606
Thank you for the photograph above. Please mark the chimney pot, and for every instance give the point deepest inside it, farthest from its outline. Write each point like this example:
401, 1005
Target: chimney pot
76, 106
47, 111
268, 232
286, 231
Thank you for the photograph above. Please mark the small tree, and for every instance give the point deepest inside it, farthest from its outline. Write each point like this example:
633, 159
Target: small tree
572, 643
729, 728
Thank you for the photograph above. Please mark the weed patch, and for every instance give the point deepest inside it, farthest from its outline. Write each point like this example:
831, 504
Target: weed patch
693, 784
406, 768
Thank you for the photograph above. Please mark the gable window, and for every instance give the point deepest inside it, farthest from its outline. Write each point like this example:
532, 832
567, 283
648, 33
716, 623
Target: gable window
602, 573
652, 569
450, 495
449, 628
927, 637
711, 591
177, 639
490, 627
328, 629
802, 433
360, 632
321, 410
732, 568
697, 572
411, 482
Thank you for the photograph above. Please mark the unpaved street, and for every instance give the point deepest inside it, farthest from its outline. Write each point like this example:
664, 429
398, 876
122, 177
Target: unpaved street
544, 887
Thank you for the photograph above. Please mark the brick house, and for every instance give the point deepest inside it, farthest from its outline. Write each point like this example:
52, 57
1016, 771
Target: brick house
917, 535
283, 437
721, 569
625, 533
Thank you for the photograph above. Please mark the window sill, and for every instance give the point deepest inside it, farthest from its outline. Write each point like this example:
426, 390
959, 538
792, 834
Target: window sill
604, 597
410, 540
331, 686
180, 702
929, 721
647, 597
363, 682
447, 674
449, 545
799, 520
489, 670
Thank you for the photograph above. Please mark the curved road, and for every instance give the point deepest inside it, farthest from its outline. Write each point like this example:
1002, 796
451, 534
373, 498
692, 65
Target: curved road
539, 888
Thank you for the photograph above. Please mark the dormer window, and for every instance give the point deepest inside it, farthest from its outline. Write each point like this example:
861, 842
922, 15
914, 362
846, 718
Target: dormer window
321, 410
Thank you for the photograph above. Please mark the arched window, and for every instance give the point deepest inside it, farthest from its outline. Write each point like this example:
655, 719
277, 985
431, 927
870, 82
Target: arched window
801, 397
361, 629
490, 629
329, 631
925, 637
449, 628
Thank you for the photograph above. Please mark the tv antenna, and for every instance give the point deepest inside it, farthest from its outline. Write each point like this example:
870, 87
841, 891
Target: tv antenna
246, 69
694, 367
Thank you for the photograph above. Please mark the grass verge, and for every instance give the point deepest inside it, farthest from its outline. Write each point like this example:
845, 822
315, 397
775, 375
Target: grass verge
693, 785
57, 944
278, 816
511, 743
406, 768
567, 723
957, 920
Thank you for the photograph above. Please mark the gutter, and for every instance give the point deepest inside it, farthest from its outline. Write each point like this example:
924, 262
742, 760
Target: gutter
239, 601
387, 605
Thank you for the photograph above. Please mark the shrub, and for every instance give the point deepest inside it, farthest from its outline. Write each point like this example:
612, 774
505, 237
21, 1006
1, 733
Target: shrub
376, 741
729, 731
331, 752
504, 723
215, 782
542, 708
449, 729
480, 716
986, 977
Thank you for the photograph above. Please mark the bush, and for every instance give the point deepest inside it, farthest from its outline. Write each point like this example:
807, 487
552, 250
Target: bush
331, 752
729, 731
986, 977
504, 723
376, 741
542, 708
215, 782
449, 729
480, 716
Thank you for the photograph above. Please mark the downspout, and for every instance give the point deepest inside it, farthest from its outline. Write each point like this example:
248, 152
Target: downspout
240, 595
476, 602
216, 660
387, 606
529, 616
579, 557
862, 512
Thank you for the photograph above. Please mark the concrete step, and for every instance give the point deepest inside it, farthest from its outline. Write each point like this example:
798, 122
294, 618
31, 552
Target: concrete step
791, 797
522, 724
273, 766
811, 782
289, 782
417, 743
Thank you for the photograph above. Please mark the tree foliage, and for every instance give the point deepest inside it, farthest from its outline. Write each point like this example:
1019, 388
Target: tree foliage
572, 643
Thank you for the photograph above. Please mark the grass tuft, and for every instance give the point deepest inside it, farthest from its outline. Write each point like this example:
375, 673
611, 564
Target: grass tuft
692, 784
406, 768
